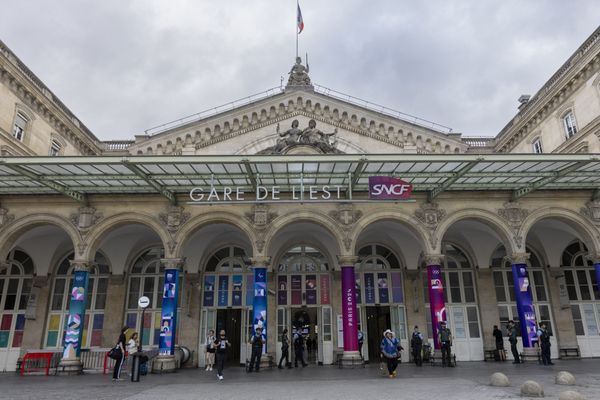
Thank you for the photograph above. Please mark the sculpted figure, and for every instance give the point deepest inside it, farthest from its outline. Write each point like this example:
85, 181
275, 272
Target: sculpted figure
299, 74
313, 136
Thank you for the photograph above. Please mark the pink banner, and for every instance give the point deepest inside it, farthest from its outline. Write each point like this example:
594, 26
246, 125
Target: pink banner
349, 314
324, 286
436, 300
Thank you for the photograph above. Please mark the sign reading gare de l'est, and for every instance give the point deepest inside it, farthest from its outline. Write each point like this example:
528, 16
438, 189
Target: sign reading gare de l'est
380, 188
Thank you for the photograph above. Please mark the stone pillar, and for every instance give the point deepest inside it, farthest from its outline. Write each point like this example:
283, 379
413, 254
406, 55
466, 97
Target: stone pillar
413, 299
349, 311
524, 300
189, 320
259, 305
563, 327
70, 363
114, 310
165, 361
435, 287
488, 306
35, 328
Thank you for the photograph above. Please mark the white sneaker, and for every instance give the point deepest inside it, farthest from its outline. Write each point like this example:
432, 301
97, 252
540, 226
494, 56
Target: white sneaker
220, 377
207, 368
210, 368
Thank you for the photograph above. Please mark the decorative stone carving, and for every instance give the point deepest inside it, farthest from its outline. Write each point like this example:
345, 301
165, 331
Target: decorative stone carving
514, 214
347, 242
345, 214
299, 75
593, 257
433, 259
260, 245
260, 215
260, 261
85, 218
592, 211
347, 260
80, 265
309, 137
5, 217
518, 258
430, 215
173, 263
174, 218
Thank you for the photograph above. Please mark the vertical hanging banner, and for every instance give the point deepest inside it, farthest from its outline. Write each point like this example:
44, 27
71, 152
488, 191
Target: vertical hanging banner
525, 308
259, 305
324, 286
223, 297
209, 291
168, 321
282, 287
74, 325
597, 268
436, 300
236, 293
369, 288
349, 309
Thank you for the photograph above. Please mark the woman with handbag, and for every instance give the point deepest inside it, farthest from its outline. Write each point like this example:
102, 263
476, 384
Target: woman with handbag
210, 350
121, 343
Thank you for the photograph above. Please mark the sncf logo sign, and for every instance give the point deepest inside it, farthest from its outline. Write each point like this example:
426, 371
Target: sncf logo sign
388, 188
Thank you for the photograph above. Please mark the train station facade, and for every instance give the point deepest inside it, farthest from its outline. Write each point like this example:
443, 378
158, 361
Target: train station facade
300, 209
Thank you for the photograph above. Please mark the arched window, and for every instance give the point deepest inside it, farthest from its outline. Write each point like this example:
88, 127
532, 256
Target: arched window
505, 291
569, 124
582, 287
146, 279
20, 126
226, 271
15, 285
303, 259
55, 148
95, 302
303, 277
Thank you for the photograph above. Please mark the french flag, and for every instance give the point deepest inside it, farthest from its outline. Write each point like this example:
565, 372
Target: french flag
300, 20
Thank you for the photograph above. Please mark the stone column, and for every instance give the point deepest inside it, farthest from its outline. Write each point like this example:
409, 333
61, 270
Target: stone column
70, 363
165, 361
488, 306
435, 287
524, 300
37, 308
114, 310
259, 304
351, 354
413, 299
189, 320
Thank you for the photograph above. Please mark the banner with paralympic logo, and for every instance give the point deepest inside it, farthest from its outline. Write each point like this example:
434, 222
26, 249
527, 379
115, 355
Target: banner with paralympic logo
525, 308
168, 322
76, 317
436, 300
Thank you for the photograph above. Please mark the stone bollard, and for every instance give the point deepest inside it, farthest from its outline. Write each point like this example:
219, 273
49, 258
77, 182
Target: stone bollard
532, 389
570, 395
564, 378
499, 379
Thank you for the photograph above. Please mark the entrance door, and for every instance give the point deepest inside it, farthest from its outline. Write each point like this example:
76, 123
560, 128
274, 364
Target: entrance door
208, 323
378, 320
230, 319
305, 318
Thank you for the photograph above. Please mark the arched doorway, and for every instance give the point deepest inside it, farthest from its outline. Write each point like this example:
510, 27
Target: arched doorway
582, 288
304, 300
462, 310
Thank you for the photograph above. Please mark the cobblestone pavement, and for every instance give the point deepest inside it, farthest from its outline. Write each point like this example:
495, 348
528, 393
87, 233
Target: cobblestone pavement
466, 381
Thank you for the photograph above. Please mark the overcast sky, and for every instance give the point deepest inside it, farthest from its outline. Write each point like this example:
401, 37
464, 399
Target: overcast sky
126, 66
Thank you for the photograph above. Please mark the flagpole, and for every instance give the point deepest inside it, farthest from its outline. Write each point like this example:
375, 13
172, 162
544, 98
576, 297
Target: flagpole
296, 25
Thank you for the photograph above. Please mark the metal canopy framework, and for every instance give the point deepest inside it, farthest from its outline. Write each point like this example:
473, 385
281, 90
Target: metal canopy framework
80, 177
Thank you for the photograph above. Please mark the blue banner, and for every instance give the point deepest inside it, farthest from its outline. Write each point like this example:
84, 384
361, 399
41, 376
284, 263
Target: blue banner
168, 322
223, 291
209, 291
236, 293
259, 305
76, 317
369, 289
525, 308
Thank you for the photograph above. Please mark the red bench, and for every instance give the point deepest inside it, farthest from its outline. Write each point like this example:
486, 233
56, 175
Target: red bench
30, 356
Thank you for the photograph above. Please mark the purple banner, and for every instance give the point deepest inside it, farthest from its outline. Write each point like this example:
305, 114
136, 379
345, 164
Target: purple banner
524, 305
324, 286
168, 321
349, 314
397, 287
282, 290
311, 289
382, 285
388, 188
436, 300
597, 268
296, 289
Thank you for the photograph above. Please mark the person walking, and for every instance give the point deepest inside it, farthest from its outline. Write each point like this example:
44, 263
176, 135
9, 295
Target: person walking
499, 354
390, 349
210, 350
416, 345
257, 343
121, 344
285, 350
299, 348
544, 340
132, 347
221, 344
512, 338
445, 338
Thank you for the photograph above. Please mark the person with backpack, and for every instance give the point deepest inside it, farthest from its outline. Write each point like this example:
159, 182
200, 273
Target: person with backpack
544, 341
416, 345
299, 348
390, 349
257, 341
512, 338
285, 350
